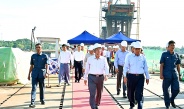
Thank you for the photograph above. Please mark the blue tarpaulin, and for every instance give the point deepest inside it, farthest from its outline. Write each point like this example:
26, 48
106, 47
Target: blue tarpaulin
118, 38
86, 38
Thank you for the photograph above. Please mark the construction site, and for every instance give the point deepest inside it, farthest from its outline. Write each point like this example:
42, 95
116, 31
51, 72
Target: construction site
119, 15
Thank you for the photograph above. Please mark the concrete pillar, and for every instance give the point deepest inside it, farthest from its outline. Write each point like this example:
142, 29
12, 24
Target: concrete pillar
129, 27
115, 27
57, 48
122, 27
109, 27
126, 28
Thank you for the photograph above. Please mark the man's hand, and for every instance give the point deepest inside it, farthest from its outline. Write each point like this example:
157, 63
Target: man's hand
116, 70
28, 77
83, 70
46, 75
180, 78
85, 82
71, 66
125, 80
147, 81
105, 78
161, 77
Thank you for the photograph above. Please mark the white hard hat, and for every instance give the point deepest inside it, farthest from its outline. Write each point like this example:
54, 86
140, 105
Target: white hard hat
117, 46
103, 46
114, 46
82, 44
132, 44
109, 46
124, 43
91, 47
137, 45
97, 46
68, 44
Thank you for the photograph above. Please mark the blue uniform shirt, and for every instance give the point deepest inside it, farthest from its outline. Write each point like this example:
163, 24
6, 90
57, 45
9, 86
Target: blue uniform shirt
39, 61
170, 62
120, 58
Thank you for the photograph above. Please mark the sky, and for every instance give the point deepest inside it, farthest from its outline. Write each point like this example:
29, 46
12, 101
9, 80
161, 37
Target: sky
161, 20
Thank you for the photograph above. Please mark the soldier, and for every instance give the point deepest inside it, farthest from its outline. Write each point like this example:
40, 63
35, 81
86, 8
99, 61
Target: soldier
39, 66
169, 67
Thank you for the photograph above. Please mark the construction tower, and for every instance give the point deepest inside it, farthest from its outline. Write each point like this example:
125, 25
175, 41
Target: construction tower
118, 17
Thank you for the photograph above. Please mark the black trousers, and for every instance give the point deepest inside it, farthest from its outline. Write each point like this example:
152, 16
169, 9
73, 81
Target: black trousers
78, 70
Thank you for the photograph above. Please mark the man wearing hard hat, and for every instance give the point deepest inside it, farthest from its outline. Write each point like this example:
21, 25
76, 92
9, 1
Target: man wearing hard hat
136, 66
91, 53
119, 63
97, 70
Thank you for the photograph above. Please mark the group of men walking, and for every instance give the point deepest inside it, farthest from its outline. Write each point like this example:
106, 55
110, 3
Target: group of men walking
130, 67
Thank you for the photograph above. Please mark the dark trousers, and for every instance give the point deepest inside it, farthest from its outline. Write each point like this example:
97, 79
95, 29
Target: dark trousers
119, 78
112, 67
174, 90
78, 70
35, 82
108, 61
95, 85
135, 89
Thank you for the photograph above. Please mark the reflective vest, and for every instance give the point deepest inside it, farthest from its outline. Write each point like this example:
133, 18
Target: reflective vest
112, 56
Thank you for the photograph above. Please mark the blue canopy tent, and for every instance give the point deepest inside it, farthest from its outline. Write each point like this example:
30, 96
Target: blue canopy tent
86, 38
118, 38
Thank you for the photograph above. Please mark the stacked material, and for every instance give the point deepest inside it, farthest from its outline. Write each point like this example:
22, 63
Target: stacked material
14, 65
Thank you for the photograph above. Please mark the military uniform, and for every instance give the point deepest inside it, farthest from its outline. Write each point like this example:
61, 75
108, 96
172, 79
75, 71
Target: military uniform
38, 75
170, 62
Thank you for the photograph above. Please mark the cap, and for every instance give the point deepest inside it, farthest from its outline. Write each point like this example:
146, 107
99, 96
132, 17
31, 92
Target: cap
91, 47
124, 43
82, 44
97, 46
137, 45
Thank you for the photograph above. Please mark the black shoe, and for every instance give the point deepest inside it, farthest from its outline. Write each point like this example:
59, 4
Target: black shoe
131, 107
75, 81
118, 92
124, 96
43, 102
32, 106
173, 104
68, 84
78, 81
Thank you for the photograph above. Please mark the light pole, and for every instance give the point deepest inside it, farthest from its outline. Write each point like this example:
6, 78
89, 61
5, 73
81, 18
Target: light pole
32, 38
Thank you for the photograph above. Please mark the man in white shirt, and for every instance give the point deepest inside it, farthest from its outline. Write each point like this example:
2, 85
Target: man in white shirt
103, 53
108, 54
91, 53
64, 64
97, 70
78, 63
